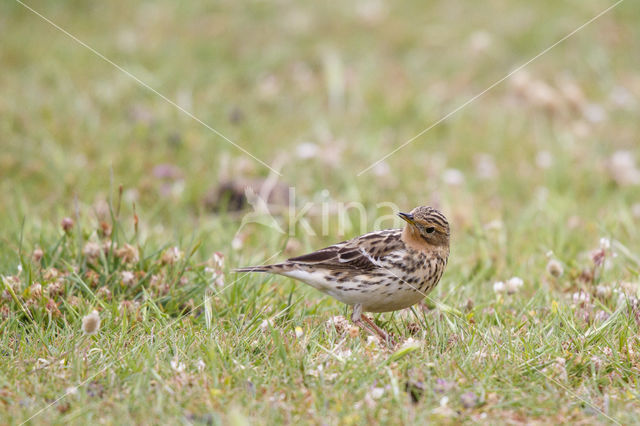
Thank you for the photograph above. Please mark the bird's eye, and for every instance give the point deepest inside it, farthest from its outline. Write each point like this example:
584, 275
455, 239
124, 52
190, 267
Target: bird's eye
430, 230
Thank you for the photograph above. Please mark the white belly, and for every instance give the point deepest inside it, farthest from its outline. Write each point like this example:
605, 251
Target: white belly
373, 297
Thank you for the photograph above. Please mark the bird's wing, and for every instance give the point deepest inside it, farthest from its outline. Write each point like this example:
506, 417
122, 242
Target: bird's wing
362, 253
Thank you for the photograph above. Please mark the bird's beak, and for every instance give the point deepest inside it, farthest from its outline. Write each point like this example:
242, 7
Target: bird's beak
407, 217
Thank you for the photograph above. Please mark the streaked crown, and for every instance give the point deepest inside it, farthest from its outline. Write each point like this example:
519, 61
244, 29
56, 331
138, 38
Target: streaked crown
430, 217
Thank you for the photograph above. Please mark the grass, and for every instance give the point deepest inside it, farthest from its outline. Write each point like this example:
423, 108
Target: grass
183, 339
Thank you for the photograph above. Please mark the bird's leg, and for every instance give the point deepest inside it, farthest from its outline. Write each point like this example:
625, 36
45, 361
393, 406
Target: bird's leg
357, 313
357, 318
383, 334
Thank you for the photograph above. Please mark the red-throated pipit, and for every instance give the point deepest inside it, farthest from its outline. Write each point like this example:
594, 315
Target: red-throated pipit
380, 271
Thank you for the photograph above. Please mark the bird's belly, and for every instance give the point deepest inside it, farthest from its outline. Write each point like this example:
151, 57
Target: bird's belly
375, 295
388, 299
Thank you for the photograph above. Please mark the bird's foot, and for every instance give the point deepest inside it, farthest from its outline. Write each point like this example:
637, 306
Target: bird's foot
372, 328
382, 337
386, 337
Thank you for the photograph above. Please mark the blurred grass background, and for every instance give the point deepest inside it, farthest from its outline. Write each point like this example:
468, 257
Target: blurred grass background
546, 159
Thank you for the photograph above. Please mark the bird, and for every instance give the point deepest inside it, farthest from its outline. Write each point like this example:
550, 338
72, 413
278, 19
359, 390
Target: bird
380, 271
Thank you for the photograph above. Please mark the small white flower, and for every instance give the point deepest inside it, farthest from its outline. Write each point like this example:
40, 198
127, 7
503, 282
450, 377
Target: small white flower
307, 150
127, 277
499, 287
299, 332
340, 323
219, 282
485, 166
91, 250
410, 343
601, 316
265, 324
597, 362
554, 268
544, 159
580, 297
514, 284
176, 366
344, 354
376, 393
36, 290
381, 169
172, 255
373, 340
605, 243
236, 243
594, 113
200, 365
218, 260
444, 410
453, 177
559, 366
91, 323
622, 168
622, 97
603, 291
479, 41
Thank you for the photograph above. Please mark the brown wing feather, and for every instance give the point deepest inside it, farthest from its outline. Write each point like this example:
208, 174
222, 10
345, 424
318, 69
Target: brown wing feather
360, 253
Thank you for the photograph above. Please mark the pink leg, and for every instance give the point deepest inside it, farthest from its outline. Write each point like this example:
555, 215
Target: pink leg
357, 318
383, 334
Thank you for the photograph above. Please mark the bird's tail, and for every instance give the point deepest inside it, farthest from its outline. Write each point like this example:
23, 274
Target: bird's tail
264, 268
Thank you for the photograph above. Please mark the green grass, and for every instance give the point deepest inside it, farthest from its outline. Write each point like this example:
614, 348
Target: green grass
358, 80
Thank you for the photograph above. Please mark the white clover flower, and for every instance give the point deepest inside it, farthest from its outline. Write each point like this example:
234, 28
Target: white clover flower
219, 282
622, 168
514, 284
444, 410
499, 287
267, 323
410, 343
200, 365
381, 169
554, 268
603, 291
172, 256
91, 250
236, 243
91, 323
177, 366
544, 159
373, 340
218, 260
479, 41
485, 166
376, 393
453, 177
127, 278
307, 150
581, 297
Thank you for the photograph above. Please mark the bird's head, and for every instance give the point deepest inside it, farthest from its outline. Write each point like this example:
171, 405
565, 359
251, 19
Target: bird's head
427, 224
